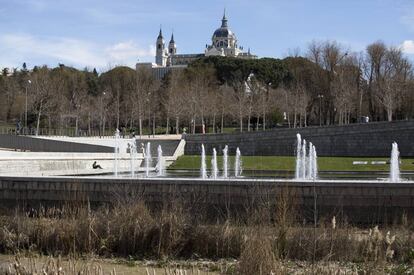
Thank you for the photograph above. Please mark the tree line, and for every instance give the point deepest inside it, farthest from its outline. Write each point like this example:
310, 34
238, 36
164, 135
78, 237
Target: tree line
328, 85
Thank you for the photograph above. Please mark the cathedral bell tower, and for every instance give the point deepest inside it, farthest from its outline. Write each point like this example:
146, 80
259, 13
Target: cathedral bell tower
172, 48
161, 56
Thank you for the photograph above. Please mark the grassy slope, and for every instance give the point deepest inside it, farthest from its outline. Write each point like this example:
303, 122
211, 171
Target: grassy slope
288, 163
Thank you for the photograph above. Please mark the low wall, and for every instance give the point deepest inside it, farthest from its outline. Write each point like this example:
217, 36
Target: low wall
354, 140
365, 201
169, 143
51, 163
27, 143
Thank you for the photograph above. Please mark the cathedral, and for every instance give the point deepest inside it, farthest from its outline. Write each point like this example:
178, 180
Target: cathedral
223, 43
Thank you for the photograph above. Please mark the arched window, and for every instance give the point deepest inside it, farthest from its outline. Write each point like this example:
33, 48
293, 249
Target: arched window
159, 46
221, 43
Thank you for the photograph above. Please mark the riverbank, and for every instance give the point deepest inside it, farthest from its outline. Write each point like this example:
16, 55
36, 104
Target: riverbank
36, 264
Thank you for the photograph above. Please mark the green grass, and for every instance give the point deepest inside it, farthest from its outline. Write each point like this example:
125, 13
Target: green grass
288, 163
226, 130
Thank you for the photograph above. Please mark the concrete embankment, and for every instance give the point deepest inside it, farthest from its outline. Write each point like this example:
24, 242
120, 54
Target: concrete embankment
57, 163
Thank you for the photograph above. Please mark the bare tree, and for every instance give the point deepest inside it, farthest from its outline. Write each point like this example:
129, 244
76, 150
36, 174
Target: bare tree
345, 88
144, 88
173, 99
223, 102
239, 97
253, 90
328, 55
315, 52
373, 67
390, 88
76, 94
44, 85
284, 102
9, 91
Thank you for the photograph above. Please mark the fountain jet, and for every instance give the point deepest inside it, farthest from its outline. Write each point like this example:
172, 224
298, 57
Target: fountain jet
309, 162
147, 159
306, 160
315, 163
298, 155
160, 163
116, 152
203, 170
225, 162
395, 164
214, 168
303, 160
237, 164
133, 155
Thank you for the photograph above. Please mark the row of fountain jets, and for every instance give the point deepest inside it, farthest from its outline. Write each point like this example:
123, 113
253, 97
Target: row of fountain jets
133, 151
307, 165
306, 161
214, 165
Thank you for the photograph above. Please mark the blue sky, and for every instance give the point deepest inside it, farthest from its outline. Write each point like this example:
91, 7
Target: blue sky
105, 33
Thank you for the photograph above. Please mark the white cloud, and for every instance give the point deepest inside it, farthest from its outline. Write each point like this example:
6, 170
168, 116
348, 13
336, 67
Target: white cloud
128, 52
18, 48
408, 46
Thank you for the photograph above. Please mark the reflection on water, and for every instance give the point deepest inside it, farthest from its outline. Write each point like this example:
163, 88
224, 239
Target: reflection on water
257, 174
363, 175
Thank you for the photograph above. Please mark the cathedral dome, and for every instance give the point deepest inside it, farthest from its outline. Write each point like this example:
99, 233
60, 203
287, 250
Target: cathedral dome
223, 36
223, 33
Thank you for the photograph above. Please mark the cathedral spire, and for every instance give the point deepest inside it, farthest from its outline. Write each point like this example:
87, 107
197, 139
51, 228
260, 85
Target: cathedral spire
172, 49
224, 20
160, 34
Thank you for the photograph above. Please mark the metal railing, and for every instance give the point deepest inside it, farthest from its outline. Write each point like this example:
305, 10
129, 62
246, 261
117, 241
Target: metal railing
28, 143
68, 132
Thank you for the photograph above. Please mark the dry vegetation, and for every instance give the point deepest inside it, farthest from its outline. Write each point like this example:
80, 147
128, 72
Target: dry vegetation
269, 241
50, 265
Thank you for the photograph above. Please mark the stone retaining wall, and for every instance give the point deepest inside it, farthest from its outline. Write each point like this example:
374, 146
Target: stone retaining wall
363, 202
355, 140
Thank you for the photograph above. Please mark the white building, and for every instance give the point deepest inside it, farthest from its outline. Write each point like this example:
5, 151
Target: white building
223, 43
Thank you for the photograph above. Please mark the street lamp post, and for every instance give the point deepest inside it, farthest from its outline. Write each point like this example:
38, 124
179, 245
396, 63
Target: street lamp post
25, 110
320, 96
265, 98
102, 126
